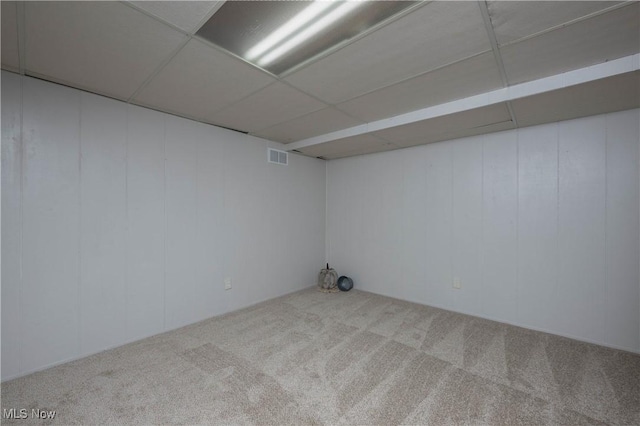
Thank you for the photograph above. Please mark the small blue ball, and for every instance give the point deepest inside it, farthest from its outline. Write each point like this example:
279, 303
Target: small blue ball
345, 283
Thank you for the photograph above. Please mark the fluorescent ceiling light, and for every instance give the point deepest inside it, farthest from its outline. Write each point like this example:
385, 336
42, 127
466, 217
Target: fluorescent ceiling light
279, 36
331, 17
293, 25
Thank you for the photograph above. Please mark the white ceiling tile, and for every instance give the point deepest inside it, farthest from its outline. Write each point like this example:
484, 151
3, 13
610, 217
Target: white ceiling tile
461, 133
605, 37
465, 133
274, 104
200, 81
466, 78
361, 151
432, 36
475, 121
348, 146
316, 123
186, 15
610, 94
513, 20
105, 47
10, 56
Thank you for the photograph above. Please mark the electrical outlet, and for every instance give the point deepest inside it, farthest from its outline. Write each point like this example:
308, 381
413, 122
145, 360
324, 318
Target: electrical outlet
227, 283
456, 283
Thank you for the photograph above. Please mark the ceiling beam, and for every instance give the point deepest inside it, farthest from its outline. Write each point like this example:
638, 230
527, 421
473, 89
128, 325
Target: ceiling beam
507, 94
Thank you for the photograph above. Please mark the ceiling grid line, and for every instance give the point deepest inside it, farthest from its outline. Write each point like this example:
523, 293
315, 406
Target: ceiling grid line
512, 113
159, 68
286, 83
482, 4
208, 15
496, 53
232, 55
22, 41
438, 68
571, 22
236, 102
329, 106
155, 17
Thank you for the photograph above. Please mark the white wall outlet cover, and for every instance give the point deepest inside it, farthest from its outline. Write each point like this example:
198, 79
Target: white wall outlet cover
227, 283
456, 283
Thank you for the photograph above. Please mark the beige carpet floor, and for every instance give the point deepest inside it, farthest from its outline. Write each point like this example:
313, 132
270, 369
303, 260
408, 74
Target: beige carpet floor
341, 358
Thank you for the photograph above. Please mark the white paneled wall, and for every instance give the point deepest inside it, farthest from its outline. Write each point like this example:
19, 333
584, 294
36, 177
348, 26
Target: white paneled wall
146, 223
119, 222
103, 207
181, 217
582, 146
499, 225
467, 256
51, 241
537, 225
622, 228
540, 225
437, 258
11, 222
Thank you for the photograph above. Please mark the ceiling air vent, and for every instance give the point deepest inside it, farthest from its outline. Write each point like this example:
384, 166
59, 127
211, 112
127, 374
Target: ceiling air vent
277, 157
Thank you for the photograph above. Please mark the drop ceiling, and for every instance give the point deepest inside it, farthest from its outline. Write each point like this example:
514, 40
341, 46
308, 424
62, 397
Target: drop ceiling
344, 101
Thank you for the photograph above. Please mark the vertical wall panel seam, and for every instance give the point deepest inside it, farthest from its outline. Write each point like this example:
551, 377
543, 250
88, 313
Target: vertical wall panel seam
517, 304
557, 257
22, 37
401, 245
482, 246
403, 227
361, 207
194, 256
164, 240
606, 208
404, 275
222, 224
426, 227
452, 246
79, 296
21, 212
126, 224
327, 237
